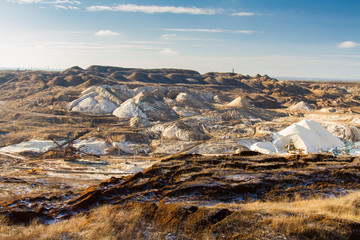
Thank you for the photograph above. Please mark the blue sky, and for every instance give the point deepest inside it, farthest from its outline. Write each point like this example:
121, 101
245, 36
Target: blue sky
292, 38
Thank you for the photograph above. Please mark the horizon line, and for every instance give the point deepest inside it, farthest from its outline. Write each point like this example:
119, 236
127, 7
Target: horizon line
290, 78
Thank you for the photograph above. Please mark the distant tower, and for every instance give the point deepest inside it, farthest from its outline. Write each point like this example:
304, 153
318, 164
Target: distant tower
233, 70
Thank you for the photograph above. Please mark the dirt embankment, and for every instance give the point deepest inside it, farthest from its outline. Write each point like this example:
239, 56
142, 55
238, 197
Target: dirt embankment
204, 180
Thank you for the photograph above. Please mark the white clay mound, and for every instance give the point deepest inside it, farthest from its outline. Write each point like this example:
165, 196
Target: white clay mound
306, 135
239, 102
300, 107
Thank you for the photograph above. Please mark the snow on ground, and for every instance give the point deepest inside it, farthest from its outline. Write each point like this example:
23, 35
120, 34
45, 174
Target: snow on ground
92, 145
32, 145
264, 147
306, 135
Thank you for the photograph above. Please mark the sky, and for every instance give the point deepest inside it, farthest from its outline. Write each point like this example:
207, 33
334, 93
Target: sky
282, 38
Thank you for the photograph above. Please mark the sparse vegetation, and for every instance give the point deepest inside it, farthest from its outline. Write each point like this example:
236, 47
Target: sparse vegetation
328, 218
185, 195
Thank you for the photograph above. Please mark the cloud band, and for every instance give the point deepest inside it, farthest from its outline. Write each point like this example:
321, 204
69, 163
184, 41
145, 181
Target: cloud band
152, 9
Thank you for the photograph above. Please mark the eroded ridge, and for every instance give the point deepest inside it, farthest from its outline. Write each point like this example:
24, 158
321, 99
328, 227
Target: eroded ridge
202, 180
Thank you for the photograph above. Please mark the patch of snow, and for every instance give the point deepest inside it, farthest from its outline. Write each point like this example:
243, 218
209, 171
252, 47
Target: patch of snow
92, 146
32, 145
309, 136
306, 135
264, 147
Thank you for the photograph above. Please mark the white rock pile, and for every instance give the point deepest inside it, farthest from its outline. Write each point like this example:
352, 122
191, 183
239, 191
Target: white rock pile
307, 136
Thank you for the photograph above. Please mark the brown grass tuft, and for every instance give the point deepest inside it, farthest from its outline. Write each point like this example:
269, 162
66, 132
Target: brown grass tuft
345, 208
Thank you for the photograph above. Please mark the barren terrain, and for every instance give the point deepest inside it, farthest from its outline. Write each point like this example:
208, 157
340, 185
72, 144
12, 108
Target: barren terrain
175, 156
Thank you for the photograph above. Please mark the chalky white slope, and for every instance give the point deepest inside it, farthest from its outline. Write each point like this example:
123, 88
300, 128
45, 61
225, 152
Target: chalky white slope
307, 135
96, 100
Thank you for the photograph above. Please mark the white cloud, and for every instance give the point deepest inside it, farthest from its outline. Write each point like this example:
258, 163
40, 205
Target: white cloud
209, 30
168, 52
60, 4
106, 33
46, 2
194, 30
348, 44
151, 9
99, 8
172, 36
245, 31
243, 14
168, 36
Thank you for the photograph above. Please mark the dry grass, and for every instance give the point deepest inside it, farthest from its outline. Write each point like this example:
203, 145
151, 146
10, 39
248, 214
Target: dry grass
301, 219
105, 222
313, 218
345, 208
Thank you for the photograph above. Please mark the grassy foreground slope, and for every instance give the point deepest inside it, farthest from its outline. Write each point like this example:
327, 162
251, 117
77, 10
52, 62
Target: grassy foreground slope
329, 218
243, 196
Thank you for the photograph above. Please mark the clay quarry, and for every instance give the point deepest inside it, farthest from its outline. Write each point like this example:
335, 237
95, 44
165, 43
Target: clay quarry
176, 154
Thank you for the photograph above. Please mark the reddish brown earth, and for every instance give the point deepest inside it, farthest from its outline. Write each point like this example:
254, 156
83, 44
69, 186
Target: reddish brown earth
202, 181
